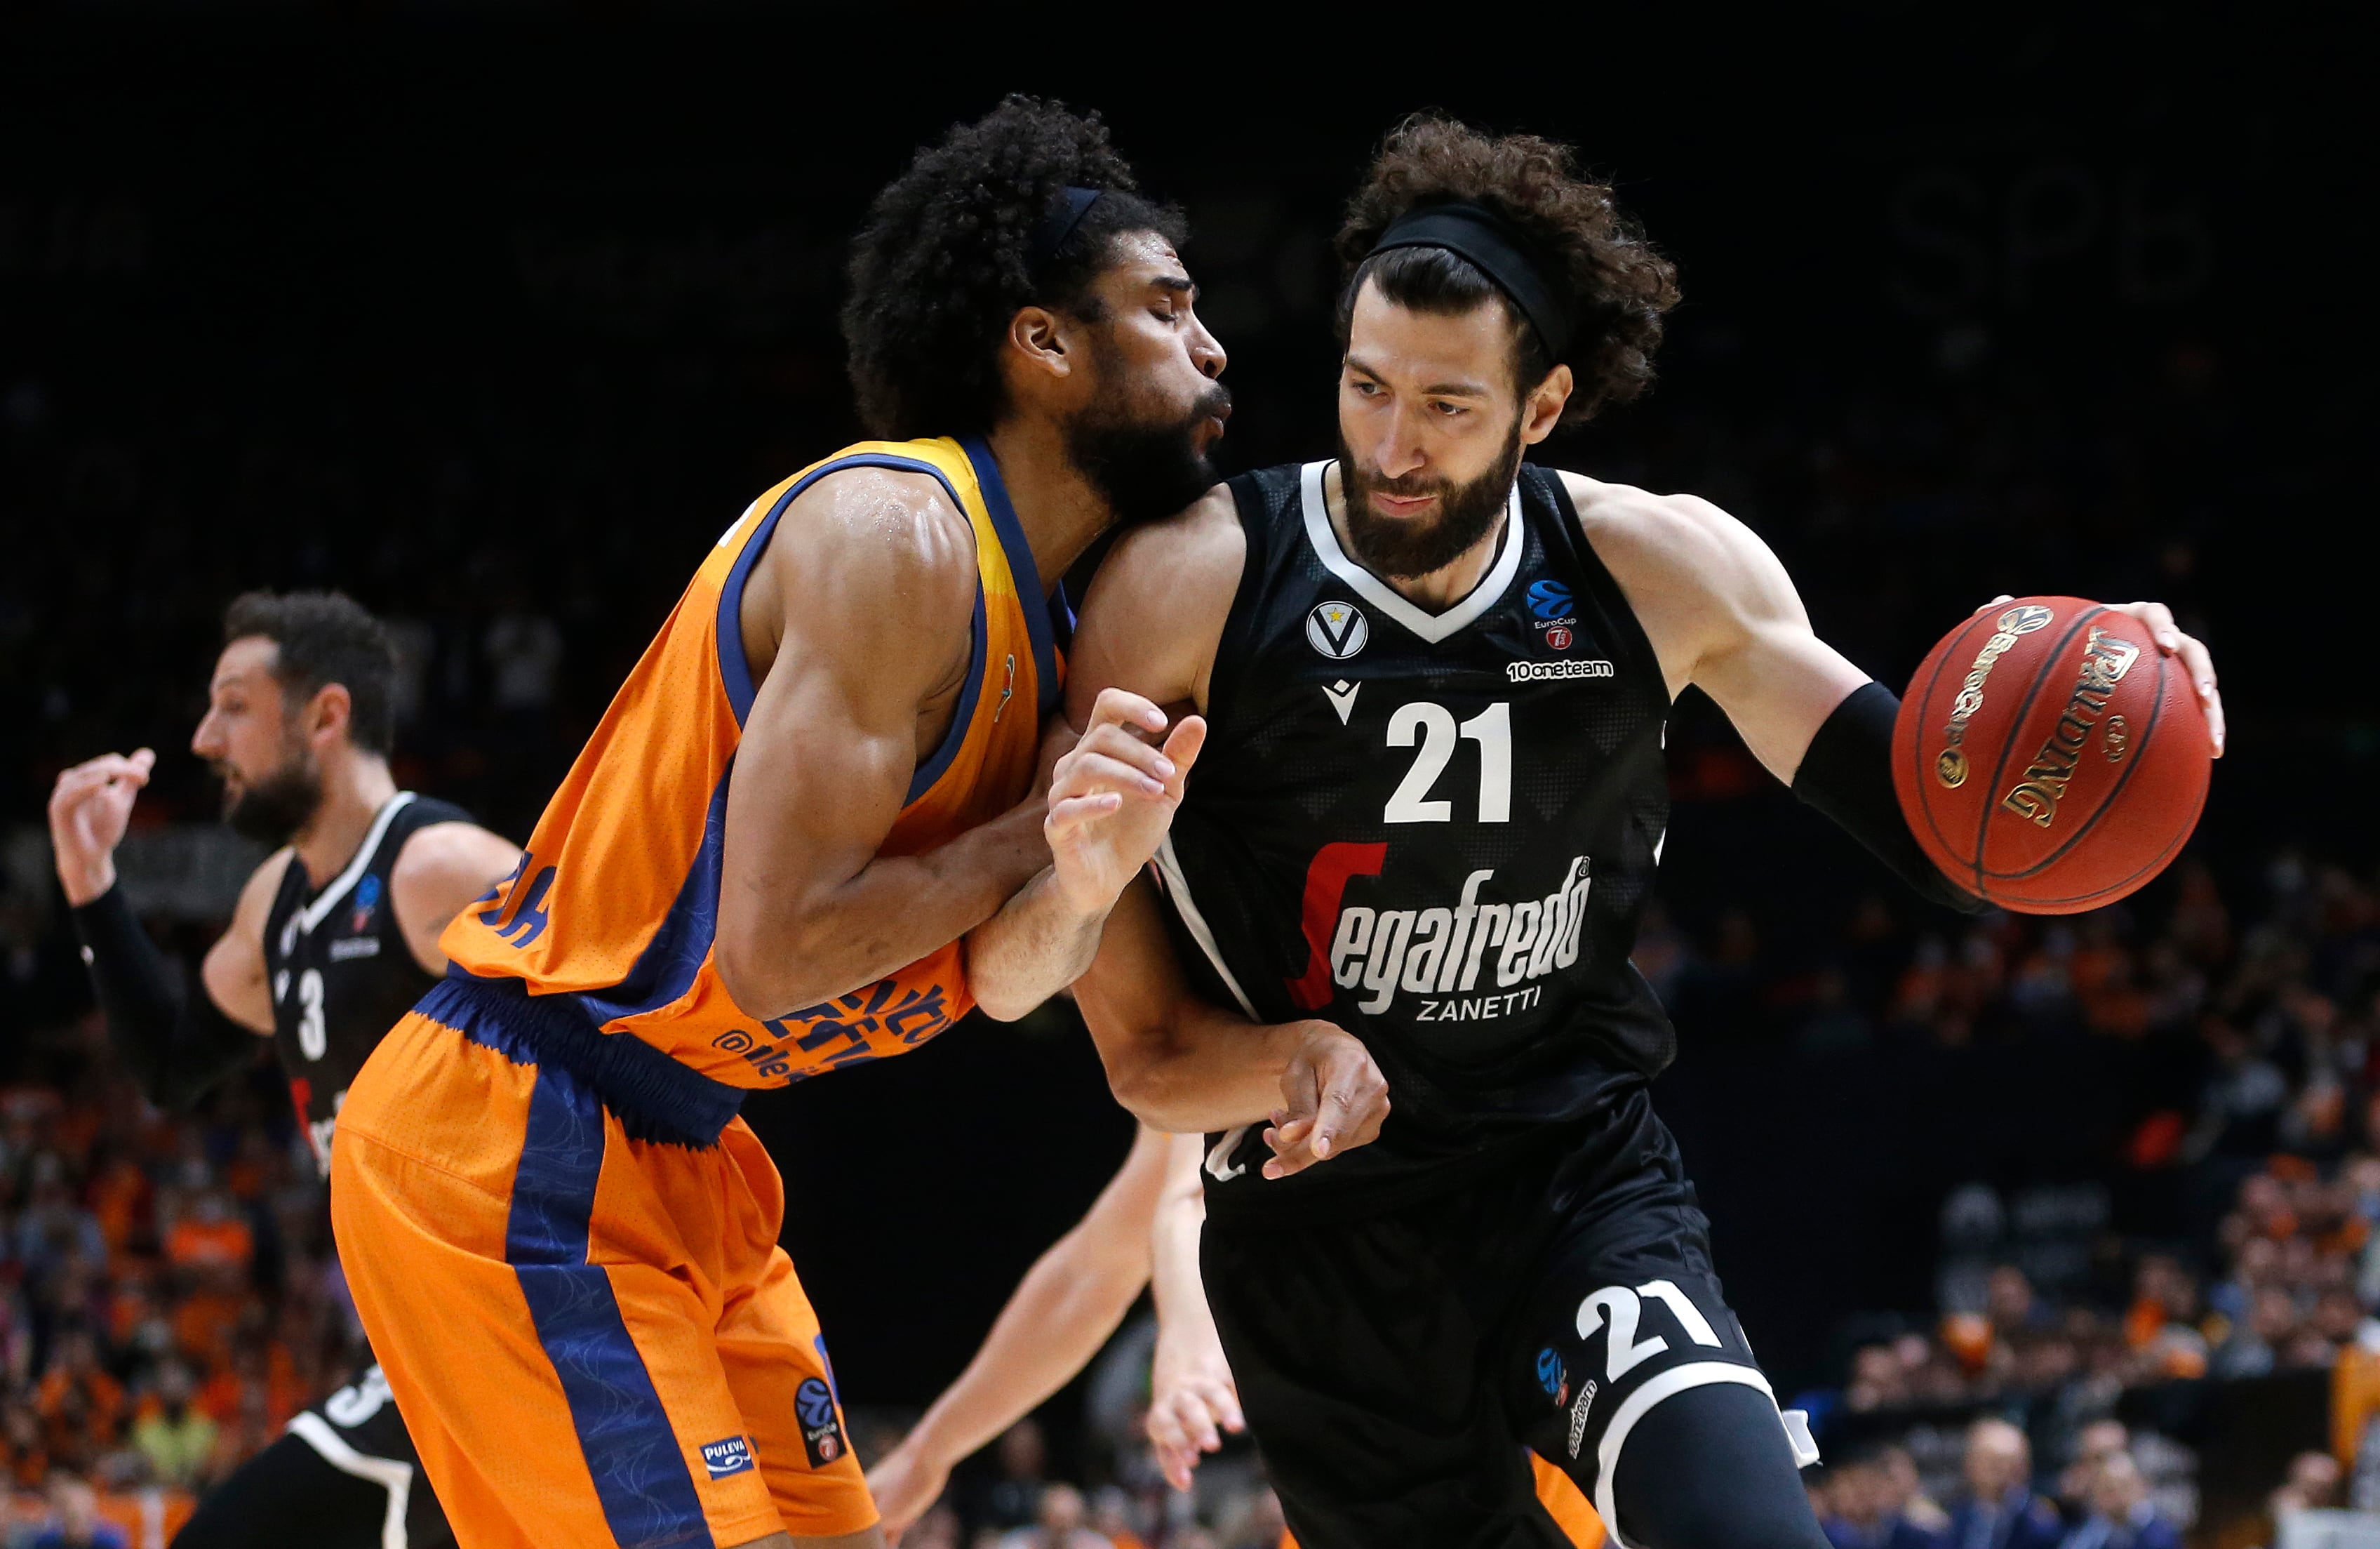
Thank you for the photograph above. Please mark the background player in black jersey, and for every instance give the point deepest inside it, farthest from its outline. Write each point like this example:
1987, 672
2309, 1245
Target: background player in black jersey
334, 937
1429, 809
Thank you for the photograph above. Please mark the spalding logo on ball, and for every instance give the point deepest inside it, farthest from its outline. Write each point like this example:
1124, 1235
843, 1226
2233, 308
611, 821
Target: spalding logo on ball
2049, 757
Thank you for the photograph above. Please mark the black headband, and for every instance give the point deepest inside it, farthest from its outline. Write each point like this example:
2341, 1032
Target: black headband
1064, 216
1503, 254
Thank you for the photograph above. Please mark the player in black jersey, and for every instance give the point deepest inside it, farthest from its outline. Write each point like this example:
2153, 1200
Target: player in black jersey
1428, 813
334, 937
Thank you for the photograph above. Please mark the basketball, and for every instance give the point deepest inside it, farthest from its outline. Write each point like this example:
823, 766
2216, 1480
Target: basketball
2050, 757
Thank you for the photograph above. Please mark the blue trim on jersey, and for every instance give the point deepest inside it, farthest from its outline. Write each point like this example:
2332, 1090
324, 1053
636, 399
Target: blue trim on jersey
735, 670
646, 1488
1031, 600
666, 968
980, 665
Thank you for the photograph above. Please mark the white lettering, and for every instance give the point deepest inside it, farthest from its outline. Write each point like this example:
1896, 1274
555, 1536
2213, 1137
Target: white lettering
1355, 935
1428, 945
1464, 913
1494, 919
1523, 936
1381, 970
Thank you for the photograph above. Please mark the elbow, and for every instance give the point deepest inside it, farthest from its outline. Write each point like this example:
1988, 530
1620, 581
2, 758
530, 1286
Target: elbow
1005, 1003
776, 979
1143, 1082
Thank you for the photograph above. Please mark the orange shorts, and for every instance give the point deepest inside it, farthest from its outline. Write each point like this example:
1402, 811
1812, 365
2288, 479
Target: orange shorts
592, 1338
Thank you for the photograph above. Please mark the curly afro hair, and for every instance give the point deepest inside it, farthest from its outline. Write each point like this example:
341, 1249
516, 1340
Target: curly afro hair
946, 259
1621, 286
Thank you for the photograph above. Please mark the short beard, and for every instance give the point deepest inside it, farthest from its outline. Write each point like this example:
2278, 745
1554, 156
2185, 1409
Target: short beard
1144, 471
273, 810
1416, 546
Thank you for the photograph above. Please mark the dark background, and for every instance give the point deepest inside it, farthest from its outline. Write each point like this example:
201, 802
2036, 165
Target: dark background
470, 312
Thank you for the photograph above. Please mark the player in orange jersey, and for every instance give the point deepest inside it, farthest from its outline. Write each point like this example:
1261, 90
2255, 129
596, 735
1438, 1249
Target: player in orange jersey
808, 832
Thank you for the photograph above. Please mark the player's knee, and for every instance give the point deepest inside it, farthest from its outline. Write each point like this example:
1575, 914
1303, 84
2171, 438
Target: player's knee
1710, 1467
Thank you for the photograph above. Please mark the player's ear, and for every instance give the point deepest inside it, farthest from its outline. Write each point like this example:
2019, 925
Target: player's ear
330, 712
1038, 339
1544, 410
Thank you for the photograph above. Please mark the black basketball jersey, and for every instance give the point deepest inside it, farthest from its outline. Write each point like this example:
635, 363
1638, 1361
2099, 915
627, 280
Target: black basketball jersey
341, 972
1436, 831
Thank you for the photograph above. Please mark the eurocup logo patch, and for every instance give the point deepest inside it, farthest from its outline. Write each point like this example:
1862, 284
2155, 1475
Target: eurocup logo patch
821, 1427
1338, 630
733, 1455
1552, 1378
1549, 599
367, 896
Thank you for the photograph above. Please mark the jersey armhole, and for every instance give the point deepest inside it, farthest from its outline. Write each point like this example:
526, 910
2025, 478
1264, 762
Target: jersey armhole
1598, 575
1248, 503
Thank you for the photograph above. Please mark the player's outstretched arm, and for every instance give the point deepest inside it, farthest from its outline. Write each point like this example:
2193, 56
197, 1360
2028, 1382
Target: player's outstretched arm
443, 869
1192, 1396
1724, 616
855, 619
175, 1044
1063, 1310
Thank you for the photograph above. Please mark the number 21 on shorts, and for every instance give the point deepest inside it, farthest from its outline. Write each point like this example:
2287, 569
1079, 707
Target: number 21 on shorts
1623, 1309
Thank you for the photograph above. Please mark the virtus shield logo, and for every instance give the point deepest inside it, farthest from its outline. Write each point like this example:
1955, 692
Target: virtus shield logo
1338, 630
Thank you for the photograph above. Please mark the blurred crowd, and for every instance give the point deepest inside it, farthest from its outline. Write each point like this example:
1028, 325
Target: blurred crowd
168, 1299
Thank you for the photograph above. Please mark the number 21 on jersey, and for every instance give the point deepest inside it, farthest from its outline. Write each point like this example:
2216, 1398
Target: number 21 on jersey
1434, 726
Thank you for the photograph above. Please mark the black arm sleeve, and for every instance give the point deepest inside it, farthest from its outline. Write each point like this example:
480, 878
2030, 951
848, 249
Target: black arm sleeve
176, 1045
1847, 775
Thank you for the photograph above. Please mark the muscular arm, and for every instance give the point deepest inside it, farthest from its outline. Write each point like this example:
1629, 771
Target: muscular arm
1063, 1310
441, 869
1150, 626
1723, 615
859, 615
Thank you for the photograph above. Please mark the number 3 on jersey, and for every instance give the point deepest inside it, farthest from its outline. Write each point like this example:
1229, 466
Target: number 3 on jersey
1434, 724
313, 1033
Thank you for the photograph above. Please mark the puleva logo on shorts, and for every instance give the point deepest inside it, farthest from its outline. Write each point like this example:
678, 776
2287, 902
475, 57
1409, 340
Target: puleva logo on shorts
1337, 629
821, 1427
733, 1455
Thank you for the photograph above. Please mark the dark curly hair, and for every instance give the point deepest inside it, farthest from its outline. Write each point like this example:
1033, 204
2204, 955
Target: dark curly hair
945, 261
1621, 286
325, 637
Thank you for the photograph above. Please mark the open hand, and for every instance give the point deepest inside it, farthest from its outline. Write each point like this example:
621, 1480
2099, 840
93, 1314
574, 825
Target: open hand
1334, 1100
89, 807
907, 1484
1192, 1401
1112, 797
2157, 619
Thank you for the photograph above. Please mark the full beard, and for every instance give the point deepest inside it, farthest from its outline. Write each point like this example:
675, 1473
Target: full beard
1146, 471
1404, 546
273, 810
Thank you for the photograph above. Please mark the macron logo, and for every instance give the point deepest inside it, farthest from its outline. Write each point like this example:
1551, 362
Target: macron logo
733, 1455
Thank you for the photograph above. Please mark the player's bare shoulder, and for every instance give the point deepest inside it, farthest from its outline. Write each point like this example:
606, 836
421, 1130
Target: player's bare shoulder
871, 547
1155, 611
1695, 576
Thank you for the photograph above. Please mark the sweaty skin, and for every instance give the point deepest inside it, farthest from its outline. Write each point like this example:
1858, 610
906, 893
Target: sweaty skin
1425, 395
246, 735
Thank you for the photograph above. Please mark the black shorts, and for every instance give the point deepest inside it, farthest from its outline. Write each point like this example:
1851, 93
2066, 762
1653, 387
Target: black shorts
1397, 1367
343, 1476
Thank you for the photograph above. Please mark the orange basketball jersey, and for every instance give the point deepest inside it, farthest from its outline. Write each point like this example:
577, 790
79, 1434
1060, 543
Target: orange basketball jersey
616, 901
